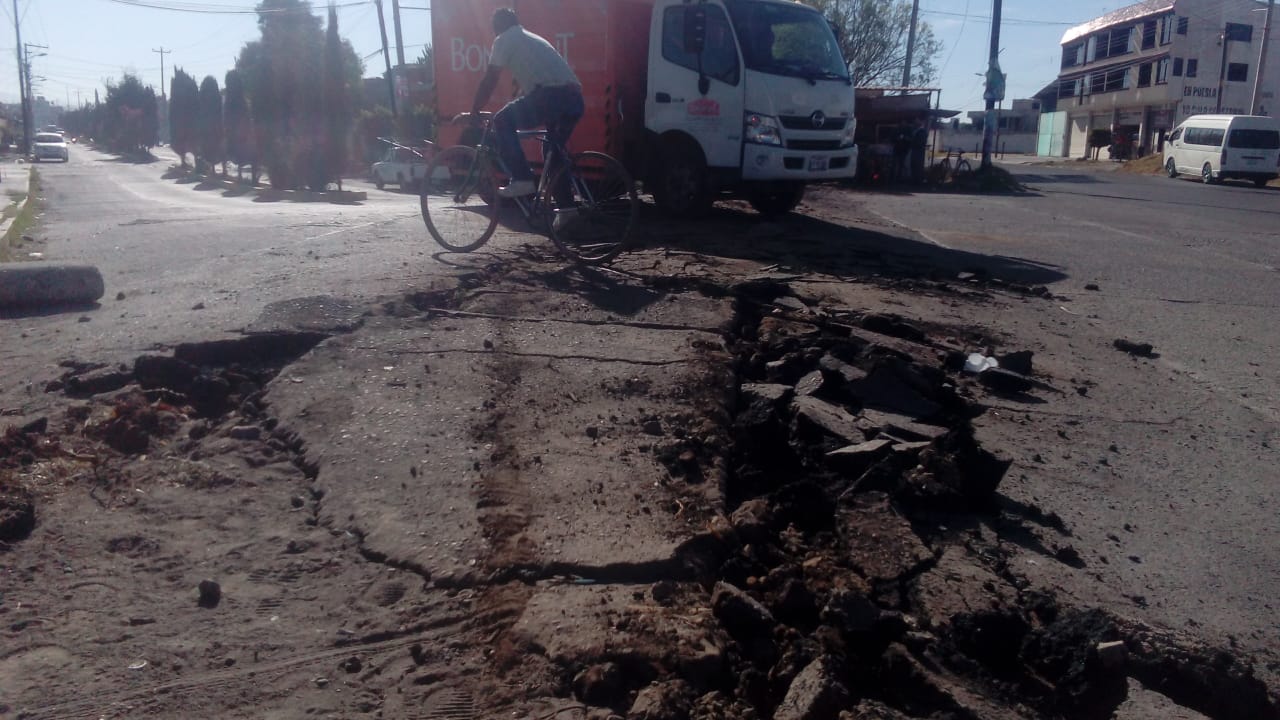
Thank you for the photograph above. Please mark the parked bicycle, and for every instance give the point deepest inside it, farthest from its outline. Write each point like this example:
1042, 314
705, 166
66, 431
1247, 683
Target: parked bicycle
588, 206
947, 169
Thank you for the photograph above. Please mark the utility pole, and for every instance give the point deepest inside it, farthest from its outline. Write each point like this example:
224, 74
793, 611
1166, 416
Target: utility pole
162, 52
1255, 104
911, 45
29, 118
995, 87
1222, 69
395, 22
386, 56
22, 81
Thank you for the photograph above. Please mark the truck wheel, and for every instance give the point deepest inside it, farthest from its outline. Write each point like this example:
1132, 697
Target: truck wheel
378, 183
1171, 168
777, 200
1206, 174
683, 187
1260, 182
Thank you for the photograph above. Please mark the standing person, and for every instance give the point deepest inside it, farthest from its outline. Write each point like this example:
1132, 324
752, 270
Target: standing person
919, 143
551, 96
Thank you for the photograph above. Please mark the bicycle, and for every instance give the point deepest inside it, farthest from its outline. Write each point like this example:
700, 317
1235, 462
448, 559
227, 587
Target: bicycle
942, 169
592, 224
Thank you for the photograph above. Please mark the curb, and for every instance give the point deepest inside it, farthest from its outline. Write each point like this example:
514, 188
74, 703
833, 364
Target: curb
269, 193
8, 222
29, 284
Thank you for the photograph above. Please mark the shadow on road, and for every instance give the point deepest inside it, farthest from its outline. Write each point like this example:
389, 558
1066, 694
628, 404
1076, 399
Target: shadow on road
1036, 178
803, 243
14, 313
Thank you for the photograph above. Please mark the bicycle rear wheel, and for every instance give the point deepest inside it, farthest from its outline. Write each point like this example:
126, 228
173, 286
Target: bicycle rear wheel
605, 210
963, 168
458, 199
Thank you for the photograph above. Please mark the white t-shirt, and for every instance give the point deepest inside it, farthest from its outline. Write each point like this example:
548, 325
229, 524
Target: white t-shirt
533, 62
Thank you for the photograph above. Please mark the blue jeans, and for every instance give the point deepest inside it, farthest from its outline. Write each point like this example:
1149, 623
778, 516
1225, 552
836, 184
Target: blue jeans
557, 108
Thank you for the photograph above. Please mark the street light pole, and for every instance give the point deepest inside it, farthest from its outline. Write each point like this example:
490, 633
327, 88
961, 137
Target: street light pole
1262, 60
22, 82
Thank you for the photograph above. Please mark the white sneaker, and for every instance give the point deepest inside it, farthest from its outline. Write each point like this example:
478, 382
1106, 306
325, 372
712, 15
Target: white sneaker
518, 188
564, 218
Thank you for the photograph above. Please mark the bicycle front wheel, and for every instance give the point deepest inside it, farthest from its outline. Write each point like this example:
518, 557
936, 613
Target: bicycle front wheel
963, 168
598, 210
458, 199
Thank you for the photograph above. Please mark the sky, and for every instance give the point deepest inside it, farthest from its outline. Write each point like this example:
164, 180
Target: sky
89, 41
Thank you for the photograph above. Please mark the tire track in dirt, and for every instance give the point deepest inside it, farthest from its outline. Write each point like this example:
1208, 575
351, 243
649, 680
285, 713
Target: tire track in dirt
239, 680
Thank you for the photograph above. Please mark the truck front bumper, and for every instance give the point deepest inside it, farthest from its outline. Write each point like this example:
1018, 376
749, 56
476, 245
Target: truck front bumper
766, 162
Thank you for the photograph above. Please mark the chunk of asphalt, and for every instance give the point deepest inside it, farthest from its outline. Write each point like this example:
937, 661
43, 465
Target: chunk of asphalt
814, 694
1019, 362
823, 418
739, 612
29, 285
1139, 349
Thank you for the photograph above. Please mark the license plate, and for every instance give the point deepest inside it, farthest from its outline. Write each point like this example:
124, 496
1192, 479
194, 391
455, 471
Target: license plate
1251, 161
817, 163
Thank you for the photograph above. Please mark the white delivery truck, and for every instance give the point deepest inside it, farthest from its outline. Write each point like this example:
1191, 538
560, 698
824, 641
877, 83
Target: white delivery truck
1222, 147
699, 98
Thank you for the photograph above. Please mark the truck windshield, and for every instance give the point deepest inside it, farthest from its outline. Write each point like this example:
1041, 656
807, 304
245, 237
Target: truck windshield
787, 39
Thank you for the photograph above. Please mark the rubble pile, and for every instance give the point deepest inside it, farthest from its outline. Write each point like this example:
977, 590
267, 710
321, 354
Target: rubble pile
863, 574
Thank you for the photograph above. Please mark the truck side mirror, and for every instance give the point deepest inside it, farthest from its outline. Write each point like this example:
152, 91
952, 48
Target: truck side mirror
695, 29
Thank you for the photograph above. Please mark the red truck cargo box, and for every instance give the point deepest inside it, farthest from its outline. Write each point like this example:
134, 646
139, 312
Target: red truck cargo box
605, 41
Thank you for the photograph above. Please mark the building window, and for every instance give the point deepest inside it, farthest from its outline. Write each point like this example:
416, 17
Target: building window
1177, 67
1182, 26
1144, 75
1109, 43
1237, 32
1073, 55
1148, 34
1069, 88
1192, 66
1238, 72
1166, 29
1162, 71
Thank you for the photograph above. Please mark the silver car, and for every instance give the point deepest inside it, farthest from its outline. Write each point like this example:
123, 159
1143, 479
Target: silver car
50, 146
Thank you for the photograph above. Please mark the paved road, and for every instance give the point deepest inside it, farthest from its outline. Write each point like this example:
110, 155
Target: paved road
171, 246
1193, 269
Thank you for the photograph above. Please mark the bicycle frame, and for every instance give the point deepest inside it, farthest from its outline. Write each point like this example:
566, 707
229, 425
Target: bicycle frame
487, 156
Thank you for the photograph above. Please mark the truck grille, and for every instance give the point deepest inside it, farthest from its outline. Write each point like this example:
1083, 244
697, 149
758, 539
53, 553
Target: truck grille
805, 122
813, 144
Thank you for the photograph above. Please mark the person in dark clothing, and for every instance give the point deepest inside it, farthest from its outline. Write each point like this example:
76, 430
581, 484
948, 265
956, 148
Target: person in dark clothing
919, 143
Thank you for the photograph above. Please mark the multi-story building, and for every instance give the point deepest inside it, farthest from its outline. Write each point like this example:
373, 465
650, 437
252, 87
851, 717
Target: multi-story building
1144, 68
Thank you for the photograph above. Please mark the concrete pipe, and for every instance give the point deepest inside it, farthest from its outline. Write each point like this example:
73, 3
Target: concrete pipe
26, 285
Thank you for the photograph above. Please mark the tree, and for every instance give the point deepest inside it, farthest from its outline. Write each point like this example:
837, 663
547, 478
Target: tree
184, 115
236, 125
210, 122
284, 89
128, 118
337, 109
873, 38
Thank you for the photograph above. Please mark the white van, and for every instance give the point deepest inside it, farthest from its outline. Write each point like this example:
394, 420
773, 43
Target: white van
1220, 147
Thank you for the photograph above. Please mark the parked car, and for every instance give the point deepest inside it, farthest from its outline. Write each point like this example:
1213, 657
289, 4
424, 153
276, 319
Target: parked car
50, 146
402, 166
1221, 147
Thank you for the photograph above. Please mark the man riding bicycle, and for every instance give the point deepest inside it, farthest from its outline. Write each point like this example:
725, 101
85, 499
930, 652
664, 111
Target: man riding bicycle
551, 96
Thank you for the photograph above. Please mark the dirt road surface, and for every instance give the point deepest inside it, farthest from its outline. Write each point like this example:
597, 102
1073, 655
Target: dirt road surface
742, 474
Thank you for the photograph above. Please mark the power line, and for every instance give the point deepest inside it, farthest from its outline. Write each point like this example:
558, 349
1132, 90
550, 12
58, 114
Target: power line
209, 9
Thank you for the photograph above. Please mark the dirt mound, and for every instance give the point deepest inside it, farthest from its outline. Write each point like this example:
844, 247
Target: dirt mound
1147, 165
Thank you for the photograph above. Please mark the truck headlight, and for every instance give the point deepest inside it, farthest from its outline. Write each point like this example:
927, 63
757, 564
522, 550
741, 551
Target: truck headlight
762, 130
850, 129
